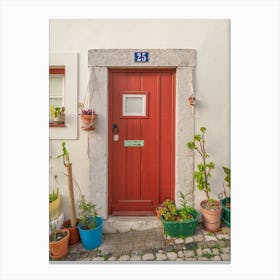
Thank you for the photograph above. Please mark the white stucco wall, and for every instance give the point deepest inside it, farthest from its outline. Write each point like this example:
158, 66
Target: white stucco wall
210, 38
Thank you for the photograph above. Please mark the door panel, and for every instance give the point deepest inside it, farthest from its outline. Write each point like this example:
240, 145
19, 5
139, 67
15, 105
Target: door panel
141, 177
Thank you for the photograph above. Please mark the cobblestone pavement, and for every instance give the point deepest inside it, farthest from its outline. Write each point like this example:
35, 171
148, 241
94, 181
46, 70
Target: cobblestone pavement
153, 245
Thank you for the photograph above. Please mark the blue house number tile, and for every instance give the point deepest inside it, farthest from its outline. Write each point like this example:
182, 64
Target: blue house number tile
141, 57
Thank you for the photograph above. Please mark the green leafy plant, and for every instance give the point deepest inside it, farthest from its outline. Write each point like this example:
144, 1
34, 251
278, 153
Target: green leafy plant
56, 111
88, 214
53, 196
227, 180
54, 234
203, 172
170, 212
184, 210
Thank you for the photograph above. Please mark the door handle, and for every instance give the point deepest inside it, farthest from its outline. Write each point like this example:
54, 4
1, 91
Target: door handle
115, 128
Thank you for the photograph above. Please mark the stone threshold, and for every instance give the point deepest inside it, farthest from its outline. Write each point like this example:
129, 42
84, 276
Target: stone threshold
114, 224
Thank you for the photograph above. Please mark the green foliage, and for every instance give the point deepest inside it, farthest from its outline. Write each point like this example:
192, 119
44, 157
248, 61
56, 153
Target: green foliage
56, 111
203, 172
170, 212
53, 196
227, 178
54, 234
88, 214
64, 154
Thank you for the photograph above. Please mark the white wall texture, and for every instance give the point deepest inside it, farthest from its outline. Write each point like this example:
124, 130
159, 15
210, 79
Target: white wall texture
210, 38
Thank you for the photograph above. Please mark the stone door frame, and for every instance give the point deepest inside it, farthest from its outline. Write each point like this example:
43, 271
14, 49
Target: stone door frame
99, 61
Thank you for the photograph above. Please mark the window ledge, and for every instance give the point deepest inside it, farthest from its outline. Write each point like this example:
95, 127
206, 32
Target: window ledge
56, 124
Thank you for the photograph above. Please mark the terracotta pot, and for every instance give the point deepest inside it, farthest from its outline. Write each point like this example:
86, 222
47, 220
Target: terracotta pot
158, 213
74, 232
212, 218
88, 122
59, 249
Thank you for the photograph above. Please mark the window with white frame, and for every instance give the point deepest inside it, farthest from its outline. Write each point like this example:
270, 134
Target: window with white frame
63, 92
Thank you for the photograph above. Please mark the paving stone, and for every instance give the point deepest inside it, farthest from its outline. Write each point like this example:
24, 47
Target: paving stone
199, 237
111, 259
180, 254
189, 239
202, 259
206, 251
189, 253
179, 259
169, 248
71, 257
222, 236
160, 251
216, 258
191, 259
209, 238
225, 250
83, 254
179, 241
98, 259
222, 243
169, 242
135, 258
148, 257
179, 246
211, 244
199, 252
225, 257
171, 255
124, 258
190, 246
168, 237
161, 257
215, 251
93, 253
201, 244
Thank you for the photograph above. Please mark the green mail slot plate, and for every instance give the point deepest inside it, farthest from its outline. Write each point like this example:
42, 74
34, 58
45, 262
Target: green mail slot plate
134, 143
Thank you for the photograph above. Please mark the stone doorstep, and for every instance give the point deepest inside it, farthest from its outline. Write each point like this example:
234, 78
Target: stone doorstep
115, 224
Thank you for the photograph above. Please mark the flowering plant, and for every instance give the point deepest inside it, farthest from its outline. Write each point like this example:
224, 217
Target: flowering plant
88, 112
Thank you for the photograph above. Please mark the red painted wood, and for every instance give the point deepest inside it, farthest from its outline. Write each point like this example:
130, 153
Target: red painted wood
140, 178
58, 70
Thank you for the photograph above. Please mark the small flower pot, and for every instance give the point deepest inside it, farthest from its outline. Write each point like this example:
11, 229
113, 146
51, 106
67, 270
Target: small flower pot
60, 119
54, 208
212, 218
88, 122
92, 238
59, 249
74, 232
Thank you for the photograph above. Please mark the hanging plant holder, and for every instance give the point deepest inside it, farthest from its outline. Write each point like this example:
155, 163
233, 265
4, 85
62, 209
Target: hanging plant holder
88, 120
88, 114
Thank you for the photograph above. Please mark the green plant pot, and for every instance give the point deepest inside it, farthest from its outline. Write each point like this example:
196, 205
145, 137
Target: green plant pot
226, 211
181, 229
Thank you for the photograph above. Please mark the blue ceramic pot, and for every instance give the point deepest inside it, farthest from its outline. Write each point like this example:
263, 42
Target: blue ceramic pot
92, 238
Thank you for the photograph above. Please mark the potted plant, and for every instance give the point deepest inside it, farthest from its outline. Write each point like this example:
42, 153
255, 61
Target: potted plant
72, 223
178, 222
54, 204
57, 114
211, 209
58, 241
90, 225
88, 117
226, 200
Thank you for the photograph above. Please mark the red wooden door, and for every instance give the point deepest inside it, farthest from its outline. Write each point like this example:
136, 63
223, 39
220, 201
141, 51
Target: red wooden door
141, 140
